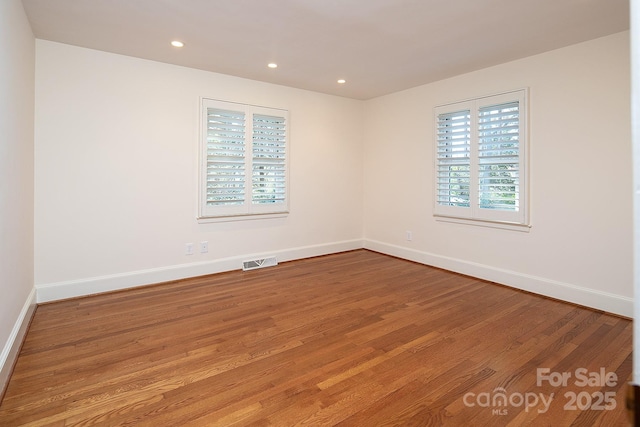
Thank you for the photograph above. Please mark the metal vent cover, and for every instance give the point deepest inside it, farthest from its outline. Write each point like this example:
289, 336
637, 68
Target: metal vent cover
259, 263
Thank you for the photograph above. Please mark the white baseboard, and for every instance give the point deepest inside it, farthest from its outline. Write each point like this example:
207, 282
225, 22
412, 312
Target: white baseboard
12, 346
93, 285
599, 300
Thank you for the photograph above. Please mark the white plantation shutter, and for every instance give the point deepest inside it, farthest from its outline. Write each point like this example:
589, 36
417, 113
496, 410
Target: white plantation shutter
269, 160
225, 145
498, 156
244, 160
453, 159
480, 159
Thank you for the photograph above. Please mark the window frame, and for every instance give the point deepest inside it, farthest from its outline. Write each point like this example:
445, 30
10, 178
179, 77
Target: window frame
474, 214
248, 209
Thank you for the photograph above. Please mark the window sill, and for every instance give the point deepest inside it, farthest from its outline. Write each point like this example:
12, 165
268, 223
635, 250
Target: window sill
525, 228
241, 217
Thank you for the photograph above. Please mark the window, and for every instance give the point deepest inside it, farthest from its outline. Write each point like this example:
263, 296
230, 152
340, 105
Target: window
244, 160
481, 169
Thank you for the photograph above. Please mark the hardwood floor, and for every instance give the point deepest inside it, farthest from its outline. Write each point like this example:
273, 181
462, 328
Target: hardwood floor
351, 339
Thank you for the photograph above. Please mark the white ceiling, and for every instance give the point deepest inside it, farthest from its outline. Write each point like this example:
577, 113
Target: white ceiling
378, 46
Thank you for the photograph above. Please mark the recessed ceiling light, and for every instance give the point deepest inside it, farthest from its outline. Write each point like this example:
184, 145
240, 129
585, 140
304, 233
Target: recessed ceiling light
342, 81
177, 43
272, 65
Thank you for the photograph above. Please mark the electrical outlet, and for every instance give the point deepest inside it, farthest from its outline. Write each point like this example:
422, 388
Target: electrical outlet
204, 247
409, 236
188, 249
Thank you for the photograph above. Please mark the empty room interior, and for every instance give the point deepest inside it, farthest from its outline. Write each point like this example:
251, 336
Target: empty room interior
302, 212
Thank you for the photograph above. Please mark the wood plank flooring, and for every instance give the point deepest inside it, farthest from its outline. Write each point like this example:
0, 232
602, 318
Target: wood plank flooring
351, 339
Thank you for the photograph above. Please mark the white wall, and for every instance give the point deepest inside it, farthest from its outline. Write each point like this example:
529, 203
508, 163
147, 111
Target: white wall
116, 173
580, 245
116, 160
17, 65
635, 135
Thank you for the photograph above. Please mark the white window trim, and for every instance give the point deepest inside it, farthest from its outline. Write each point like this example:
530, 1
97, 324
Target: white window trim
474, 215
248, 210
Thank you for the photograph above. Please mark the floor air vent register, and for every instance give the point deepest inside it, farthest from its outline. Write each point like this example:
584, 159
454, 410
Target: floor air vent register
259, 263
